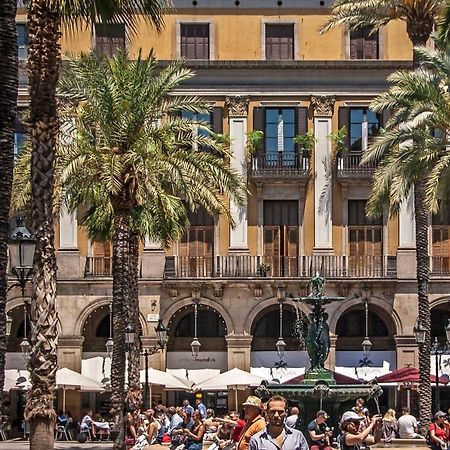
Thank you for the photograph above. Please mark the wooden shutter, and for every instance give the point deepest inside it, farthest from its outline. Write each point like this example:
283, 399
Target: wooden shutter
356, 44
302, 120
279, 41
194, 41
344, 121
217, 120
259, 125
370, 45
385, 117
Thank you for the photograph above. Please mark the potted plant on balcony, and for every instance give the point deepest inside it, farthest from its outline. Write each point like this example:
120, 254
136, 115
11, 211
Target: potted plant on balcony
264, 269
254, 142
306, 142
339, 139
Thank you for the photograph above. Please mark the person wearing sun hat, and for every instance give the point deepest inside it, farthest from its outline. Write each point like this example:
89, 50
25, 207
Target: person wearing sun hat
254, 421
439, 432
350, 439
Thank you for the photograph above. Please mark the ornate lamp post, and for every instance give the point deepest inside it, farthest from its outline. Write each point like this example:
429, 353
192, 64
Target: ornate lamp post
8, 325
437, 350
195, 344
110, 343
161, 337
281, 345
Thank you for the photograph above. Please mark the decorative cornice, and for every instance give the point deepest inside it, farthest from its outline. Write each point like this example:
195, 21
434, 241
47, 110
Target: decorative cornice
237, 106
323, 105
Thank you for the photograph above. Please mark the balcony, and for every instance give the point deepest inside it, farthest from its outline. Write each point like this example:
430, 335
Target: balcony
282, 166
348, 167
98, 266
440, 265
246, 266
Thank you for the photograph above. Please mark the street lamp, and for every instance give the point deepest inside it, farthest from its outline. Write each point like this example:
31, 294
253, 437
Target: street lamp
25, 346
366, 344
8, 325
281, 345
161, 337
110, 343
21, 253
129, 336
421, 333
195, 344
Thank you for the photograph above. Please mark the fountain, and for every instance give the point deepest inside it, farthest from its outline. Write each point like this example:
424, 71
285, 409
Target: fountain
319, 390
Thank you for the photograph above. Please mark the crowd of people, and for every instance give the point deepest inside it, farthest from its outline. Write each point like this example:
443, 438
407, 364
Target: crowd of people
269, 426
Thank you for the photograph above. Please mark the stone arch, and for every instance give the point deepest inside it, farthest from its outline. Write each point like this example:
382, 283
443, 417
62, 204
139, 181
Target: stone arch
212, 329
14, 302
265, 327
92, 306
17, 314
260, 306
381, 307
172, 310
440, 315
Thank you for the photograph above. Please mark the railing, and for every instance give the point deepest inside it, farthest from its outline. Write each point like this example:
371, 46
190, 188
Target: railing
246, 266
440, 265
349, 163
98, 266
280, 164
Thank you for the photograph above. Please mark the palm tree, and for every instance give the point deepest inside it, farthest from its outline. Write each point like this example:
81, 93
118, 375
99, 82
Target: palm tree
141, 164
8, 98
420, 17
45, 19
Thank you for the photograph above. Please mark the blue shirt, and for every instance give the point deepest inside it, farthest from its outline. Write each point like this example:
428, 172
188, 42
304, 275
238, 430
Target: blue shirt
189, 409
175, 422
293, 440
201, 408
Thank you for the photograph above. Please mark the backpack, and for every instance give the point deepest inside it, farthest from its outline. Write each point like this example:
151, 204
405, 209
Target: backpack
298, 424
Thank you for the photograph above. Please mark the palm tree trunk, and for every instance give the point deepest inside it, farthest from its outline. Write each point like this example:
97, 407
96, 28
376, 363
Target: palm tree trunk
424, 316
43, 64
134, 395
419, 35
8, 99
121, 293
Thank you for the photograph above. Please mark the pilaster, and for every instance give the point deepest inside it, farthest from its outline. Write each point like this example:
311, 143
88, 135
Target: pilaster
69, 352
237, 116
323, 107
239, 348
330, 363
68, 258
153, 260
407, 353
406, 253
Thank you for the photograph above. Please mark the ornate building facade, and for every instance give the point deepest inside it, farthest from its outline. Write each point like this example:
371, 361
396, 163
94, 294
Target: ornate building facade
262, 65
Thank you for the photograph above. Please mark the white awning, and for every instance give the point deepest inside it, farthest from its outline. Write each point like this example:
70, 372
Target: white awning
234, 378
193, 376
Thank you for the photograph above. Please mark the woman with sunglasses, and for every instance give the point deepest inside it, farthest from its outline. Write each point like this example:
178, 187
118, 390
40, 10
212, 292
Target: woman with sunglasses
439, 432
351, 438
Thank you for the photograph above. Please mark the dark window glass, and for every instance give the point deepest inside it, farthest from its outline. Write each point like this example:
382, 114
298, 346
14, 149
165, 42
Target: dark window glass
210, 324
195, 40
357, 214
279, 41
280, 131
269, 325
364, 45
22, 41
359, 118
206, 118
103, 328
108, 39
352, 324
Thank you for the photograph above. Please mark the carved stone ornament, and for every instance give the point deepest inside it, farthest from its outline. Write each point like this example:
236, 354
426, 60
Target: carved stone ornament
323, 105
237, 106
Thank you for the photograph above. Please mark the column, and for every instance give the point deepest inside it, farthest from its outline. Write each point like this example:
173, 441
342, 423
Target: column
153, 259
237, 116
69, 262
406, 253
323, 111
239, 348
330, 363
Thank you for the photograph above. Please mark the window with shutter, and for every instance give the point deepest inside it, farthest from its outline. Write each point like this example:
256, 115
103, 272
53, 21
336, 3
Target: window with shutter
280, 236
365, 240
194, 40
364, 45
109, 38
363, 124
440, 235
279, 41
101, 258
22, 41
280, 125
196, 247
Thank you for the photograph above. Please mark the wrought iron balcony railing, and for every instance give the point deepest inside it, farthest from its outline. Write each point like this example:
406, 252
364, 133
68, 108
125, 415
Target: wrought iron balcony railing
280, 165
349, 164
246, 266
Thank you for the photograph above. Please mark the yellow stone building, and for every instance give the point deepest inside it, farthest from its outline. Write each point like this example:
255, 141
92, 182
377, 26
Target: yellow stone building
262, 65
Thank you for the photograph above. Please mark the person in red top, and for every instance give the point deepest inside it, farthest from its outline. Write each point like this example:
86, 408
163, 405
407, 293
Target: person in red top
439, 432
237, 423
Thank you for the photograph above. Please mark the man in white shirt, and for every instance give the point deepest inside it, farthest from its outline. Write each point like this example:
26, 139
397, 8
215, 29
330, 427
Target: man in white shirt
292, 419
407, 425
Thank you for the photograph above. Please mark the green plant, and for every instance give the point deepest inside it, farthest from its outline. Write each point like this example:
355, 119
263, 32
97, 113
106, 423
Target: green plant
264, 268
254, 142
306, 141
222, 138
339, 139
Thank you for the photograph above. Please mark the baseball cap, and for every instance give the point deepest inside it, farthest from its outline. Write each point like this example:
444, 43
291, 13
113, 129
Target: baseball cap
322, 413
440, 414
350, 416
252, 401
